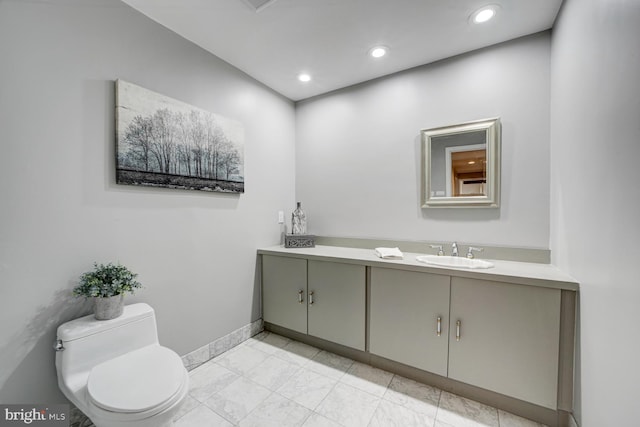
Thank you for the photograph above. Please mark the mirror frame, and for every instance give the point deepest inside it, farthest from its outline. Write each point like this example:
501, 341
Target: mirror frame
493, 139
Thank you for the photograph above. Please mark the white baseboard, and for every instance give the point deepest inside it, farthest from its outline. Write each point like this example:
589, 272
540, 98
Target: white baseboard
208, 351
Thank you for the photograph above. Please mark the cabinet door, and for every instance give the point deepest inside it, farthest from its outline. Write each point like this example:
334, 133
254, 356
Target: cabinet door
284, 291
509, 338
405, 308
337, 299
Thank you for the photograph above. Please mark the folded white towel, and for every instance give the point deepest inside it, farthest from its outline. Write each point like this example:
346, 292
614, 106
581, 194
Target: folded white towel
388, 253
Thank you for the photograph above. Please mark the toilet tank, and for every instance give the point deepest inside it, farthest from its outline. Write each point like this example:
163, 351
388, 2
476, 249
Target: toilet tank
88, 342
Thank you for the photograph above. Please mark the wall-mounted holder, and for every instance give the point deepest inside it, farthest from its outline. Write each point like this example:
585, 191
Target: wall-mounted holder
299, 241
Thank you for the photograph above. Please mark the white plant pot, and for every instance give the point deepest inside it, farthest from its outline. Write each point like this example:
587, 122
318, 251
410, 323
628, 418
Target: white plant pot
105, 308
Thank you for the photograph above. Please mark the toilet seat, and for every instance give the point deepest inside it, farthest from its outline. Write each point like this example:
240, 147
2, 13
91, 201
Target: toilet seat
145, 381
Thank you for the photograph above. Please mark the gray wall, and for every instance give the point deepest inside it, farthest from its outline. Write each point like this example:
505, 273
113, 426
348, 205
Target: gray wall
358, 149
595, 201
61, 209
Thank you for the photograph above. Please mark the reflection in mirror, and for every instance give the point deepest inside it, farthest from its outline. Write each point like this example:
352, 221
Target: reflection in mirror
461, 165
468, 172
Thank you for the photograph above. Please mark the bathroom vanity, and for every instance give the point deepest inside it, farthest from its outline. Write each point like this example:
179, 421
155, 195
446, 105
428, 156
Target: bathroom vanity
503, 336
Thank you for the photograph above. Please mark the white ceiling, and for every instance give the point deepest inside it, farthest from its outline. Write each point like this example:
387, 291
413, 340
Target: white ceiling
330, 39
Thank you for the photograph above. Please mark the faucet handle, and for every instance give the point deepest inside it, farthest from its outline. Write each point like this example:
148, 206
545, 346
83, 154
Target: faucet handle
473, 249
439, 248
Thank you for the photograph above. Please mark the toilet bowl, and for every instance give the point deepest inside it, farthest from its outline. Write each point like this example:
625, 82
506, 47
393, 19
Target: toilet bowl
116, 371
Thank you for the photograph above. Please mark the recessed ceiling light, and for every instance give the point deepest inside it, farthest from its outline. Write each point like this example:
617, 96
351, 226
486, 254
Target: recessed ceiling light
304, 77
378, 51
258, 5
484, 14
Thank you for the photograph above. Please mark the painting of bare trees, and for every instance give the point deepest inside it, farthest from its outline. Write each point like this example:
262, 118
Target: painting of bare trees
163, 142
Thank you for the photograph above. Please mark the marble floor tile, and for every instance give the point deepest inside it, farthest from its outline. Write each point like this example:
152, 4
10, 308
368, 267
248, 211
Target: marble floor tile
307, 388
257, 337
367, 378
238, 399
202, 416
268, 342
276, 411
241, 359
418, 397
389, 414
208, 379
272, 372
510, 420
297, 352
188, 404
348, 406
317, 420
272, 381
457, 411
329, 364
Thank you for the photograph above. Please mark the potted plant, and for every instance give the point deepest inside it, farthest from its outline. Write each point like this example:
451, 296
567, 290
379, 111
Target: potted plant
107, 284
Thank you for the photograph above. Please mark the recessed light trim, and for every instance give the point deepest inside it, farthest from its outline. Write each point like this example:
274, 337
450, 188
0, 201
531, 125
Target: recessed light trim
378, 51
484, 14
304, 77
258, 5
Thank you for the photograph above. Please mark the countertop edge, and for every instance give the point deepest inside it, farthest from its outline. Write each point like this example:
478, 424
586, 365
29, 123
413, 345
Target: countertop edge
522, 273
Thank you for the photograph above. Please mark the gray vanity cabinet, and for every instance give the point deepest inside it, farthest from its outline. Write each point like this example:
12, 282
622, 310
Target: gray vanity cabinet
503, 335
337, 300
409, 318
323, 299
507, 338
284, 292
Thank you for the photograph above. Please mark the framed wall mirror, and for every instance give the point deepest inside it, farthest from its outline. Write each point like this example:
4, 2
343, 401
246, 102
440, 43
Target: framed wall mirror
461, 165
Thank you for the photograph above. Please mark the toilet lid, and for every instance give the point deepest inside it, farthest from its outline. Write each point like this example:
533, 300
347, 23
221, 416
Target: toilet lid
137, 381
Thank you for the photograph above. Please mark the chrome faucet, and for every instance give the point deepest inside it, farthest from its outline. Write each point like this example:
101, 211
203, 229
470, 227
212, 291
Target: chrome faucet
454, 249
473, 249
439, 248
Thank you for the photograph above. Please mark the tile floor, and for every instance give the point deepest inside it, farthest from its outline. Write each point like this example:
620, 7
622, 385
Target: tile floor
270, 380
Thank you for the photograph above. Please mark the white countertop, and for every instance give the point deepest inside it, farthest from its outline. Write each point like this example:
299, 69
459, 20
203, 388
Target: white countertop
524, 273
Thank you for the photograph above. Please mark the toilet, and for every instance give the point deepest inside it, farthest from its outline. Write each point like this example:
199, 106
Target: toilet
116, 371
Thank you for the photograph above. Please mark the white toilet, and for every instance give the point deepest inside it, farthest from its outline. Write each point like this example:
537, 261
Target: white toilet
116, 371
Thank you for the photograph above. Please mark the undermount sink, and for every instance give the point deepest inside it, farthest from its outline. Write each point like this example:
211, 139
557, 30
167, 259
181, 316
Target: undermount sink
454, 261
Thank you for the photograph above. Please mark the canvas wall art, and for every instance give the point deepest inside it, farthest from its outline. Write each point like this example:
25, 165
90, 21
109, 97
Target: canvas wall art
163, 142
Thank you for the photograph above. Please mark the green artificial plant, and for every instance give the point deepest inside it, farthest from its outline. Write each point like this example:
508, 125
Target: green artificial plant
107, 281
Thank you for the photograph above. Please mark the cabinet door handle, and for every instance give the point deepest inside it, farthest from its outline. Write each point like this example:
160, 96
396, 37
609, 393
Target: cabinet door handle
458, 323
439, 326
300, 296
310, 297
